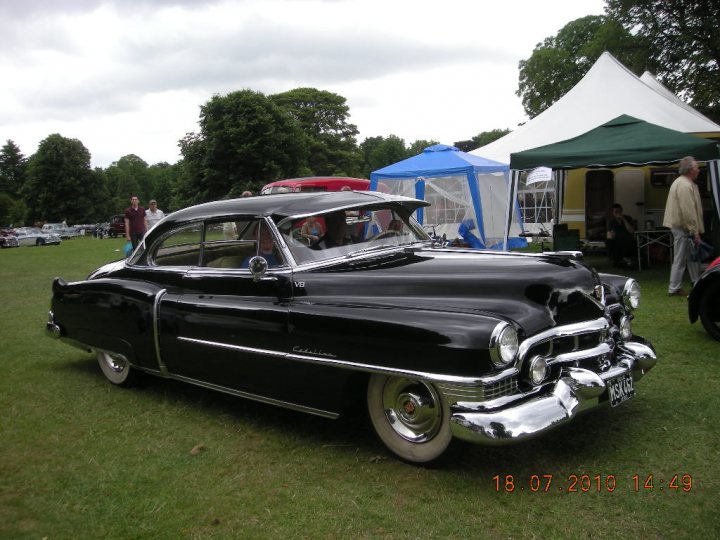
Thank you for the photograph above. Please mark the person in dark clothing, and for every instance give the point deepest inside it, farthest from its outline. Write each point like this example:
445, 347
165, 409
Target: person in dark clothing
620, 238
134, 222
335, 234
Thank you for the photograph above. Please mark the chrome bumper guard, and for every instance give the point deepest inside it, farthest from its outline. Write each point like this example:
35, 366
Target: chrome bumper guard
576, 390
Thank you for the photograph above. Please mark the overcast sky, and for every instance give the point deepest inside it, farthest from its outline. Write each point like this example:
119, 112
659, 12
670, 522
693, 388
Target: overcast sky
129, 76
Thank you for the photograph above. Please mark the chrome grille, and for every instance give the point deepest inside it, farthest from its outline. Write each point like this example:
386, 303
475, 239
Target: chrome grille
503, 387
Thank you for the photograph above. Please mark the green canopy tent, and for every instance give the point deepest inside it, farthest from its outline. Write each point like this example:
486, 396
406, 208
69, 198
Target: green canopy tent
623, 141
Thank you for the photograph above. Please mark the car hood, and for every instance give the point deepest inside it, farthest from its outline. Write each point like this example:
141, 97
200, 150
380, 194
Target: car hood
535, 291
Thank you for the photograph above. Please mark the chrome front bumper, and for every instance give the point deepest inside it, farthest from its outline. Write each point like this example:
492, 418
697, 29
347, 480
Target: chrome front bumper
576, 390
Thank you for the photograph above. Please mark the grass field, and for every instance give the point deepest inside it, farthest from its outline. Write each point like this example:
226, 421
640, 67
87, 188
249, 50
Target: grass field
80, 458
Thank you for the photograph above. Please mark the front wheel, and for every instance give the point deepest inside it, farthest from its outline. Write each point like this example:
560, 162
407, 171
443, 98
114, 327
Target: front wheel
116, 369
410, 417
40, 242
710, 309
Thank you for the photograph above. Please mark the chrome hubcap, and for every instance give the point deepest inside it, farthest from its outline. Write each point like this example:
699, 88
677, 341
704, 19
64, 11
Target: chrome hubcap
413, 409
115, 364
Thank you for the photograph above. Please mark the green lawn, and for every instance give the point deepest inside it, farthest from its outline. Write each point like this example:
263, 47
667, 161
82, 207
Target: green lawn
80, 458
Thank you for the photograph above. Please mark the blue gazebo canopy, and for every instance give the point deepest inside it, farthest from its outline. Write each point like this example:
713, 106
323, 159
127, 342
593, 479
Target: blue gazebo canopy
439, 160
472, 191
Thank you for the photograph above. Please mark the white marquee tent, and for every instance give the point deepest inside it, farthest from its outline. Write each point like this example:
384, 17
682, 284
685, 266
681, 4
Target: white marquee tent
607, 91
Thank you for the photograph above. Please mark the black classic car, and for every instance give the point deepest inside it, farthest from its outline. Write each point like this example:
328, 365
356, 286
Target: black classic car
704, 300
439, 344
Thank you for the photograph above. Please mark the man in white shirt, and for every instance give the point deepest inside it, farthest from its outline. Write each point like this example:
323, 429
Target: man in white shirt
153, 214
684, 216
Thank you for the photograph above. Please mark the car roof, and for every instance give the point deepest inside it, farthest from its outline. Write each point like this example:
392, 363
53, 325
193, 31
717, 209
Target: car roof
284, 205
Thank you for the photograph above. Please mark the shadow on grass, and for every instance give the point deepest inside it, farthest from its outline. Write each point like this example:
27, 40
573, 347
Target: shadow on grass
352, 429
588, 439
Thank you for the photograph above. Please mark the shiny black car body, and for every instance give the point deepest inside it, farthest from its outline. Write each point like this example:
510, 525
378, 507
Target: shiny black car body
441, 344
704, 300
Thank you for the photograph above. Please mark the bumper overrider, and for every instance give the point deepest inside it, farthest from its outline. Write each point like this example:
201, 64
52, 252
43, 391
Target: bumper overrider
576, 390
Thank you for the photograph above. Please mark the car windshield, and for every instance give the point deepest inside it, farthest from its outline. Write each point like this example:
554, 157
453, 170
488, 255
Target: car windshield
350, 232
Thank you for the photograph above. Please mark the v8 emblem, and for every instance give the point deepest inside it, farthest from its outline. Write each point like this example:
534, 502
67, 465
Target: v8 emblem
300, 284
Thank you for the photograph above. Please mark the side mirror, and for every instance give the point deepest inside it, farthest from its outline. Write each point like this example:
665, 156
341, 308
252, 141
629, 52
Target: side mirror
257, 266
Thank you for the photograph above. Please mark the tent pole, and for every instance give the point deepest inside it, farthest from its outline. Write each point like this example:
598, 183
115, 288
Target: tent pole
714, 168
512, 195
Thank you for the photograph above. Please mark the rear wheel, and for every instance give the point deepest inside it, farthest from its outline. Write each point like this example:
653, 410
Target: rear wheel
710, 309
116, 369
40, 242
410, 417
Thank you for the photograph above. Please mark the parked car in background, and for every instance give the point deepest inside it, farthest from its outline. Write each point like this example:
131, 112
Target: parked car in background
116, 226
59, 229
32, 236
704, 300
438, 344
8, 239
315, 183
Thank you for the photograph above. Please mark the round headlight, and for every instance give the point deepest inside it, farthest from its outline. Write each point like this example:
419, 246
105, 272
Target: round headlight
626, 328
538, 370
503, 344
631, 294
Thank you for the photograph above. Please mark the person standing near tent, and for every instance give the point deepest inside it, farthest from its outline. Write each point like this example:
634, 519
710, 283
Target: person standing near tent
684, 216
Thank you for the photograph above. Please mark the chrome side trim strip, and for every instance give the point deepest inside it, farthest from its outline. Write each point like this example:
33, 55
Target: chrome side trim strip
255, 397
156, 330
358, 366
569, 330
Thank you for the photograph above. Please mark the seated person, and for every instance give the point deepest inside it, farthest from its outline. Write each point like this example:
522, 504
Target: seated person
311, 230
620, 239
395, 225
335, 236
266, 249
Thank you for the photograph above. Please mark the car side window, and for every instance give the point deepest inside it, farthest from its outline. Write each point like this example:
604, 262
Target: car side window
226, 246
231, 244
180, 248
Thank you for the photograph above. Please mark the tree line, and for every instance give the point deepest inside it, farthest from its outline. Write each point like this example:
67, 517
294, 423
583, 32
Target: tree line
247, 139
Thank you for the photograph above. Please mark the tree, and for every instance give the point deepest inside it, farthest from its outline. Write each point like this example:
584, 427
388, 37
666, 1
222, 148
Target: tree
683, 45
559, 62
126, 177
418, 146
390, 150
60, 184
12, 169
163, 178
323, 116
245, 140
481, 139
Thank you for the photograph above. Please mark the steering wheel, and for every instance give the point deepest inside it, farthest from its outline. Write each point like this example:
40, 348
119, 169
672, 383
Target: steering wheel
384, 234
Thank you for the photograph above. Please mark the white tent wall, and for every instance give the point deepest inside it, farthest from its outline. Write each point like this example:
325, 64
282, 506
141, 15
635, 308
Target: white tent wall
494, 200
452, 204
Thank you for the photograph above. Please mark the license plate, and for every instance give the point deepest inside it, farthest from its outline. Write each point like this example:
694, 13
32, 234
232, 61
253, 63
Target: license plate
620, 389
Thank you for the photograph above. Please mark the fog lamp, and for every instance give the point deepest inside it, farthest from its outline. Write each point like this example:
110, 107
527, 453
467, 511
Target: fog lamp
626, 328
538, 370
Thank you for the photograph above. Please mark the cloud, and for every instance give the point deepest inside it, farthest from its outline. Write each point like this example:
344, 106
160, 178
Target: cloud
93, 69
